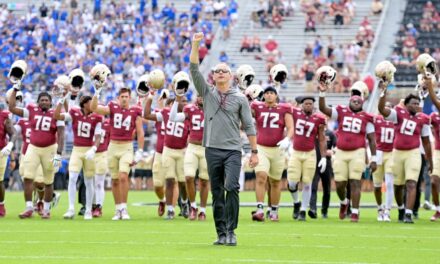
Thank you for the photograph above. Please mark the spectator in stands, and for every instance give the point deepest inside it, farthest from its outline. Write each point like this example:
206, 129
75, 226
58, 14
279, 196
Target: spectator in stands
256, 44
43, 10
339, 57
308, 52
223, 57
264, 21
271, 46
276, 18
376, 7
436, 54
365, 22
348, 11
246, 44
295, 73
309, 75
409, 44
338, 12
289, 7
203, 51
209, 9
219, 6
426, 24
310, 24
225, 23
412, 30
429, 9
97, 9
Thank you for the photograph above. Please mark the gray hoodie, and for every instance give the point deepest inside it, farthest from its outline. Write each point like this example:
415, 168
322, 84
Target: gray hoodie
223, 113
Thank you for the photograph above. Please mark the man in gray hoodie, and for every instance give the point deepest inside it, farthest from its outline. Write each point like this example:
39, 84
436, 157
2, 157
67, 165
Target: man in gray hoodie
226, 111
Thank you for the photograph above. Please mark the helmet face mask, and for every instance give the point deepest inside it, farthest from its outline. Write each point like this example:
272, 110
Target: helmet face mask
360, 88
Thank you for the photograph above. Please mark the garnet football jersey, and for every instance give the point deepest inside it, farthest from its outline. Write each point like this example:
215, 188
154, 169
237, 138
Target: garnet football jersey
352, 127
435, 123
195, 118
4, 115
269, 122
84, 127
25, 127
44, 126
409, 128
384, 130
306, 129
105, 136
160, 131
176, 133
123, 121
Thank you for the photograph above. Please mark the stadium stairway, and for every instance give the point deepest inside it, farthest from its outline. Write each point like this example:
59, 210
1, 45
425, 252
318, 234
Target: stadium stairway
292, 41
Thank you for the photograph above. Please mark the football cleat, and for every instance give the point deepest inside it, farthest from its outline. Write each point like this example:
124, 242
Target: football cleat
258, 216
82, 210
55, 199
170, 215
70, 214
124, 214
380, 214
193, 213
343, 211
88, 215
2, 210
274, 217
401, 214
268, 213
302, 216
161, 208
202, 216
354, 218
312, 214
408, 219
386, 216
296, 207
435, 216
97, 211
39, 207
185, 210
26, 214
45, 215
117, 215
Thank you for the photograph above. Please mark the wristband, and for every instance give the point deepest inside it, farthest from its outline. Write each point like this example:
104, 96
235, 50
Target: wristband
254, 151
321, 94
373, 158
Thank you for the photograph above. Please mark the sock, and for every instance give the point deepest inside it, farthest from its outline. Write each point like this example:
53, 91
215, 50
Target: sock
306, 194
293, 188
123, 206
274, 209
345, 201
118, 206
203, 210
438, 208
401, 207
46, 206
355, 211
29, 205
185, 201
71, 189
89, 193
99, 189
260, 207
170, 208
389, 195
194, 205
408, 211
380, 207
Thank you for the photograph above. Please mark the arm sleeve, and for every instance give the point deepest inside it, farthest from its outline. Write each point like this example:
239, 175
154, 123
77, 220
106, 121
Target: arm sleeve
426, 130
67, 117
25, 113
198, 79
370, 128
98, 129
246, 118
334, 113
392, 117
159, 117
174, 116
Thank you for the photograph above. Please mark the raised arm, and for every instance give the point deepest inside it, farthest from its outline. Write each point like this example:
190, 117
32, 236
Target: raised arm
198, 79
381, 106
57, 113
428, 82
174, 115
13, 105
99, 109
147, 111
322, 104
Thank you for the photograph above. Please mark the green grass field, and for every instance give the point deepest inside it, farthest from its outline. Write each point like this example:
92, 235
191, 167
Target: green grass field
149, 239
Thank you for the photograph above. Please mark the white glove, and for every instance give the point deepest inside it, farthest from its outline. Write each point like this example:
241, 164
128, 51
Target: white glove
90, 154
138, 155
7, 149
56, 161
63, 99
284, 144
322, 164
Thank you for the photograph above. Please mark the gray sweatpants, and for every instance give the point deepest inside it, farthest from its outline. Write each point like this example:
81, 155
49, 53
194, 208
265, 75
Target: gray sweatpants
224, 172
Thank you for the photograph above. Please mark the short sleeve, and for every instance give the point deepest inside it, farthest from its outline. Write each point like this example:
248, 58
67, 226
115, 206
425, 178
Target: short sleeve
393, 116
334, 113
370, 128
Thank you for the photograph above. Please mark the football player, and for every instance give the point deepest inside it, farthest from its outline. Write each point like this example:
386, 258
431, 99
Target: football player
86, 127
354, 126
271, 120
45, 148
309, 126
125, 120
409, 128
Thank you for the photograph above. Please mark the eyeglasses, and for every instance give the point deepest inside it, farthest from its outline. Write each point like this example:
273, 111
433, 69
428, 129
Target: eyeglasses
221, 71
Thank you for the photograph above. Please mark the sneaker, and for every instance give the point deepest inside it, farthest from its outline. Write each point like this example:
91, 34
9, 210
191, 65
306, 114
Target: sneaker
170, 215
386, 216
401, 215
2, 210
193, 213
39, 207
435, 216
408, 219
82, 210
45, 215
268, 213
343, 211
161, 208
258, 216
97, 212
354, 218
380, 214
427, 205
26, 214
273, 217
124, 214
312, 214
88, 215
70, 214
117, 215
55, 199
302, 216
296, 207
202, 216
185, 210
